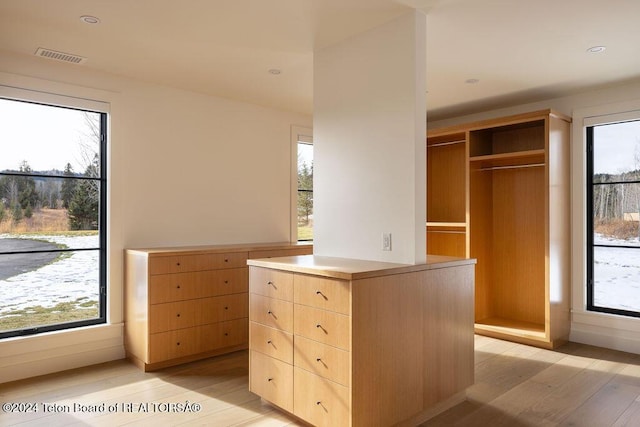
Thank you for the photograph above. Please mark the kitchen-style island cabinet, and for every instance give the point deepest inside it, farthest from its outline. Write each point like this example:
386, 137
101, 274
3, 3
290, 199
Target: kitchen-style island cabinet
361, 343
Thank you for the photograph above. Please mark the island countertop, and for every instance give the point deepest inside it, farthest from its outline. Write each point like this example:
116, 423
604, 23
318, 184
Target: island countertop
353, 269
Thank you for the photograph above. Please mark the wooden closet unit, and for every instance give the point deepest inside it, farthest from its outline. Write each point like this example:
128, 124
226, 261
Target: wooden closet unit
517, 224
447, 197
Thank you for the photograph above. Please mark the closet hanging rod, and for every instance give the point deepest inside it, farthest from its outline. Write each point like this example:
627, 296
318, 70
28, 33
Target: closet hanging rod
532, 165
442, 144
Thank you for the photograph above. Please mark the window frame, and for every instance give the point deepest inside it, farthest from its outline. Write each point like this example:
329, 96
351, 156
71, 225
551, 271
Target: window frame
298, 134
590, 245
79, 104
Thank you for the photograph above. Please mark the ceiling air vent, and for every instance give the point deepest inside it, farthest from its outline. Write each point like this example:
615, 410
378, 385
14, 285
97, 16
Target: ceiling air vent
60, 56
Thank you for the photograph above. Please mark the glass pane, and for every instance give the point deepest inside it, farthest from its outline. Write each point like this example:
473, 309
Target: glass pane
305, 191
616, 152
617, 278
64, 141
48, 205
616, 213
305, 166
48, 288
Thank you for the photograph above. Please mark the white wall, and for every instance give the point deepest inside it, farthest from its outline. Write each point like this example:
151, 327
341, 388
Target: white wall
616, 332
184, 169
369, 150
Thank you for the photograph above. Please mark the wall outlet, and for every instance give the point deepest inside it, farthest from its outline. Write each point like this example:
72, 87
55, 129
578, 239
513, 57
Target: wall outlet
386, 241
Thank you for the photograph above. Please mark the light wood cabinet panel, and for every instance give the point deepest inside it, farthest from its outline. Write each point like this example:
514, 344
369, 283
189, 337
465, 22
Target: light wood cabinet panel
271, 342
185, 304
179, 343
516, 192
321, 325
272, 379
184, 314
379, 363
198, 262
200, 284
271, 312
323, 293
326, 361
271, 283
323, 403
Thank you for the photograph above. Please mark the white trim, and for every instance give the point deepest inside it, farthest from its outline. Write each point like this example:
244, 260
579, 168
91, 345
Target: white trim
298, 134
24, 357
56, 100
28, 356
600, 329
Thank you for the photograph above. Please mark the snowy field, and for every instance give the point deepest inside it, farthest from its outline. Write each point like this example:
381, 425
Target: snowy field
617, 277
69, 279
617, 274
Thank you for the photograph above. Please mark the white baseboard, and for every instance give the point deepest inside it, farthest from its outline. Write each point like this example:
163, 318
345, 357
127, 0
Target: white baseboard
608, 331
25, 357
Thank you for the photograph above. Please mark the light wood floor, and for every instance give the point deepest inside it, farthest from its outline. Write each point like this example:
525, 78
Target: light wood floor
516, 385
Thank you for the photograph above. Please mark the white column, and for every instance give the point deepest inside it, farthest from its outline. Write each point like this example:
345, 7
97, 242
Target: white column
369, 125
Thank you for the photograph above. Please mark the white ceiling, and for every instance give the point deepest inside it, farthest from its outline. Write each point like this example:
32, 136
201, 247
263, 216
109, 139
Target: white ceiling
519, 50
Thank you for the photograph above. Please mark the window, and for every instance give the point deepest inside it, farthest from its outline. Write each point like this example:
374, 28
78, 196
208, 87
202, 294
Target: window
613, 217
305, 191
301, 184
52, 217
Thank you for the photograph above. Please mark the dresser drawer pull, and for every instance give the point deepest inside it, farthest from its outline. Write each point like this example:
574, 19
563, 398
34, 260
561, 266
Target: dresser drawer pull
226, 260
178, 343
226, 281
320, 326
226, 334
319, 403
322, 295
271, 283
178, 315
269, 379
271, 313
178, 287
319, 360
226, 308
178, 264
270, 342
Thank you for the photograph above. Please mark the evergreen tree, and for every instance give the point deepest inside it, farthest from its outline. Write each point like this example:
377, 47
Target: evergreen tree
27, 194
305, 198
83, 207
68, 186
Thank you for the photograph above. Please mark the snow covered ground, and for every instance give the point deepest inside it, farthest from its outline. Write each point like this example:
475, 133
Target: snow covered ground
617, 274
68, 279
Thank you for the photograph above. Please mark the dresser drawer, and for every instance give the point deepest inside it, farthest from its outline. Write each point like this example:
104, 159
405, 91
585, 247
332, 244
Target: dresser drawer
271, 312
198, 339
200, 284
184, 314
320, 402
196, 262
323, 326
324, 360
271, 283
321, 292
271, 379
272, 342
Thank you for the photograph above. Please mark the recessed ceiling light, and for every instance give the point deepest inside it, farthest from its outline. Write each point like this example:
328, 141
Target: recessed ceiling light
275, 71
596, 49
472, 81
88, 19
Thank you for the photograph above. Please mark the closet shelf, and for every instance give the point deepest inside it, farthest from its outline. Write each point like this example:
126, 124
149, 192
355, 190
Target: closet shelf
516, 158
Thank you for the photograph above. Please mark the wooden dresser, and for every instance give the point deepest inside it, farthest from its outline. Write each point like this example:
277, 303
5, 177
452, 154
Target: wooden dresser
188, 303
346, 342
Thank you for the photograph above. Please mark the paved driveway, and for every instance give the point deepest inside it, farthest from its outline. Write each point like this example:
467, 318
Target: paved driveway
12, 265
